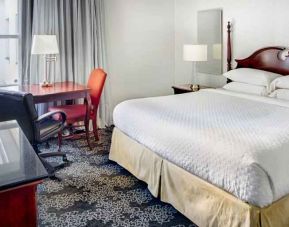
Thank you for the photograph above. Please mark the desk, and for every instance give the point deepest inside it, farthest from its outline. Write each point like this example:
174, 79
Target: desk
20, 172
60, 91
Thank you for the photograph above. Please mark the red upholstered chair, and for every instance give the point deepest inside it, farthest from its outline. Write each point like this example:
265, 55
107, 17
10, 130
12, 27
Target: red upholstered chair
87, 111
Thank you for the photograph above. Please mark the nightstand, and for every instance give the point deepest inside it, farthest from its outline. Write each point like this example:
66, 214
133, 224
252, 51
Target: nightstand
185, 88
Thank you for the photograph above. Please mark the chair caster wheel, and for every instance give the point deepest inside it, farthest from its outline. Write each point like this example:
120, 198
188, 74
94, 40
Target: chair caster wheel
64, 159
54, 178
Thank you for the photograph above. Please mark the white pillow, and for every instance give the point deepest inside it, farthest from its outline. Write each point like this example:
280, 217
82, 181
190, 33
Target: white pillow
280, 82
280, 94
246, 88
252, 76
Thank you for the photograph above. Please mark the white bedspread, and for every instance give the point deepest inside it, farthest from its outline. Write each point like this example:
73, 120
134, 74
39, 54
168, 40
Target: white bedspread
238, 142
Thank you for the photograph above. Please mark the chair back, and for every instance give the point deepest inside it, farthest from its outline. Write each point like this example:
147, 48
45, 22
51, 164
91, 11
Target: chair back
19, 106
96, 83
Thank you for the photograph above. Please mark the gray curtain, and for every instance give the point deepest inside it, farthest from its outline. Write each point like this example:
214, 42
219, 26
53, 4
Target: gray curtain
26, 11
79, 27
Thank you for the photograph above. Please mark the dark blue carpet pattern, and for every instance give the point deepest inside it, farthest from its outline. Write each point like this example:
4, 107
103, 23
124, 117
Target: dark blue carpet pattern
94, 191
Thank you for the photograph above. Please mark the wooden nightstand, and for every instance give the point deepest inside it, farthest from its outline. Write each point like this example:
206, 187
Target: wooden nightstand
185, 88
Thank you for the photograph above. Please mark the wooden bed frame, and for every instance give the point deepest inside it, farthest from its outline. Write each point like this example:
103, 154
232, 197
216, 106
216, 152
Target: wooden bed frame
263, 59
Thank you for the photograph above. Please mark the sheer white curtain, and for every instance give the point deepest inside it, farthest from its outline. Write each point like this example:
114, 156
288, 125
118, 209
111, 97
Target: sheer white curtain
79, 27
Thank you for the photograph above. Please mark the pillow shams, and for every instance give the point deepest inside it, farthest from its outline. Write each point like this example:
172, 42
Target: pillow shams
251, 76
246, 88
280, 82
280, 94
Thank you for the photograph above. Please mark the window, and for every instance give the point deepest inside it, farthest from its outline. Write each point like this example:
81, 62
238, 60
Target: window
9, 42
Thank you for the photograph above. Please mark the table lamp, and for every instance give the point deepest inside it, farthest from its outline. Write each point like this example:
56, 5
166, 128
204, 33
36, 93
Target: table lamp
195, 53
45, 45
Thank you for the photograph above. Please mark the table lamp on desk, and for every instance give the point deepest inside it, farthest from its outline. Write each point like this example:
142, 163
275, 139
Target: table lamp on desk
45, 45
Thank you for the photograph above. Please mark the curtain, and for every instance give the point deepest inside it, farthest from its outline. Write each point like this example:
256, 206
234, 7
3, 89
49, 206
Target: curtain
79, 27
26, 12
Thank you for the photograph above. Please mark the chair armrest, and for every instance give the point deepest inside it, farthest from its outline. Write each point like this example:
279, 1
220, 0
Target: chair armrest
46, 121
49, 115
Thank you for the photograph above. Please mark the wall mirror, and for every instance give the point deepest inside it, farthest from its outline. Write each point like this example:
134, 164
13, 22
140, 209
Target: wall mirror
210, 34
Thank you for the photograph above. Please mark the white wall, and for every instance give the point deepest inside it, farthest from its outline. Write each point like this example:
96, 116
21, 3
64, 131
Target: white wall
140, 44
256, 24
145, 40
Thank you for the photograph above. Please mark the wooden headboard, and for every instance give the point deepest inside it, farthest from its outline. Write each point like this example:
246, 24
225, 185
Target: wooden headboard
263, 59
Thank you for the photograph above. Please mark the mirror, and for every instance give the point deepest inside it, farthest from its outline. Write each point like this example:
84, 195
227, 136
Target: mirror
210, 34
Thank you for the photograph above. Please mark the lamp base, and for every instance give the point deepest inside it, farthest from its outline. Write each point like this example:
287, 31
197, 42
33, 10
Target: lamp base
195, 87
46, 84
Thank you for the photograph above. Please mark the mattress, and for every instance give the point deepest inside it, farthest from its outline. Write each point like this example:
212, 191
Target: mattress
237, 142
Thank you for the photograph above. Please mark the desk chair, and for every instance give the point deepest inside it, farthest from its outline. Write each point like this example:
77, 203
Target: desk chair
20, 106
87, 111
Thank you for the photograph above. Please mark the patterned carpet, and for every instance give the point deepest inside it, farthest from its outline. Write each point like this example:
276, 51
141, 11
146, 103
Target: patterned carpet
94, 191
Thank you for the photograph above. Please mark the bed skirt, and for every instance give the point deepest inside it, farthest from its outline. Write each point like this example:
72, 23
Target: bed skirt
201, 202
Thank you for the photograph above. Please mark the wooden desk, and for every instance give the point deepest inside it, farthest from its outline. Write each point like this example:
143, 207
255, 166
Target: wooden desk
18, 206
59, 91
19, 176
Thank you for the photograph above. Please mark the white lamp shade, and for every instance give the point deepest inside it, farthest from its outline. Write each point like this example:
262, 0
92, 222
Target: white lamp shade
44, 44
195, 53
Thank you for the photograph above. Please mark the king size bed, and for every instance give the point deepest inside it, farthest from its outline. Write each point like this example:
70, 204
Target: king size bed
219, 157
